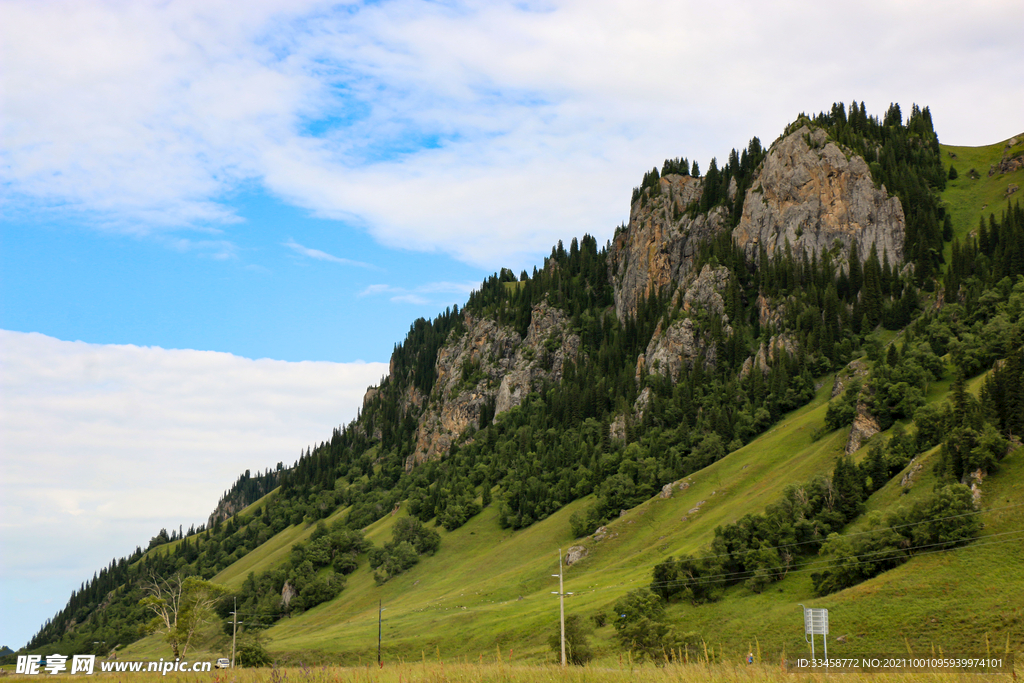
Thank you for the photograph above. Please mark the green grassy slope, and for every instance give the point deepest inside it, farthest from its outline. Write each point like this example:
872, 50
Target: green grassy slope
969, 199
489, 588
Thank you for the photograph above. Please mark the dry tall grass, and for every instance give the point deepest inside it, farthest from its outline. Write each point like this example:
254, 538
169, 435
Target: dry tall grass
464, 672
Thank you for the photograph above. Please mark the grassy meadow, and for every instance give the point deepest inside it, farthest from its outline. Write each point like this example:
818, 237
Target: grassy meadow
971, 198
487, 594
488, 590
504, 672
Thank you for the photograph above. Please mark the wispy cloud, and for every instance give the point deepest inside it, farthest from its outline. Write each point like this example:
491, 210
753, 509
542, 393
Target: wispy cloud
410, 299
418, 295
220, 250
486, 130
377, 289
324, 256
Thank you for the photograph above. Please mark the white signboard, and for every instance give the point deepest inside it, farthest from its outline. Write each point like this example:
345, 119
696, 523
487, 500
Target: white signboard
816, 622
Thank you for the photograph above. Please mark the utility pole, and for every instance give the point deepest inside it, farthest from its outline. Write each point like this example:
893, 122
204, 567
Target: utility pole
561, 604
234, 631
380, 613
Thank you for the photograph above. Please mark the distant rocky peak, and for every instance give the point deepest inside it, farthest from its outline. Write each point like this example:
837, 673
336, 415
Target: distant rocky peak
658, 246
818, 197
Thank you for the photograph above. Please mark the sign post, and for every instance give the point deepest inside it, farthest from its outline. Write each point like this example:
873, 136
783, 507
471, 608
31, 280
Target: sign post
816, 623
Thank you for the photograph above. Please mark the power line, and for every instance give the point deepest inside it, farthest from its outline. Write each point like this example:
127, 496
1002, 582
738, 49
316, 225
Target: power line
811, 566
799, 543
901, 554
1007, 537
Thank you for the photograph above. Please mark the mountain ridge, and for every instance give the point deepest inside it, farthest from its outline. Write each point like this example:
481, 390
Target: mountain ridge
600, 334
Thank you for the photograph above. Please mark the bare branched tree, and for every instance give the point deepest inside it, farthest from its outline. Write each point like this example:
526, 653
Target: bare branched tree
181, 606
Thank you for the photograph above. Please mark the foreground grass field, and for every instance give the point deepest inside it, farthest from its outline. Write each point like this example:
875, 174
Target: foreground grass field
504, 672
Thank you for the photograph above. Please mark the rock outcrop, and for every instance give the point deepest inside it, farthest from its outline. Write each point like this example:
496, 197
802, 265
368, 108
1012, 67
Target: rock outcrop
865, 425
682, 343
658, 246
913, 469
685, 341
490, 365
666, 490
767, 353
575, 554
855, 369
288, 594
226, 508
770, 314
549, 342
808, 194
1011, 161
817, 197
706, 292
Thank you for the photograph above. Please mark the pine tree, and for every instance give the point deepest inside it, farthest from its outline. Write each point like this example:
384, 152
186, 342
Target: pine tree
849, 487
871, 294
856, 272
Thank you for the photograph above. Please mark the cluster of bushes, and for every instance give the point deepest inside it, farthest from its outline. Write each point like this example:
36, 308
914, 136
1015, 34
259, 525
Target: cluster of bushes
451, 501
641, 627
944, 520
315, 571
899, 380
759, 549
409, 540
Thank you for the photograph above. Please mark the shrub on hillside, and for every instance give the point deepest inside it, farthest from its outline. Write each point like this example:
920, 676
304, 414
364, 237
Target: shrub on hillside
409, 540
941, 521
640, 625
577, 640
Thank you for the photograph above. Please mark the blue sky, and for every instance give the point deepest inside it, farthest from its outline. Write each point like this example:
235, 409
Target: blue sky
188, 189
280, 284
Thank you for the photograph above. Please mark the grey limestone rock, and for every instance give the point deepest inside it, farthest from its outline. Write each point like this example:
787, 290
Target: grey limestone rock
502, 368
658, 246
817, 197
575, 554
684, 341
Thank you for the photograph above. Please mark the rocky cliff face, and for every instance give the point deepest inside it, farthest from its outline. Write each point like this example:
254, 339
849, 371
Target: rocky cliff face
549, 343
490, 364
685, 341
767, 354
808, 192
813, 194
225, 509
865, 425
658, 246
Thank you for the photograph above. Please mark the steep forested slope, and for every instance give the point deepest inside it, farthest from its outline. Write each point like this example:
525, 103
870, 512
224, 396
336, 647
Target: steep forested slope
613, 372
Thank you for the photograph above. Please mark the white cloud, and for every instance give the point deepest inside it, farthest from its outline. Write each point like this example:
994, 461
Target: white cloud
105, 445
445, 287
417, 294
318, 255
377, 289
410, 299
486, 130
